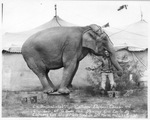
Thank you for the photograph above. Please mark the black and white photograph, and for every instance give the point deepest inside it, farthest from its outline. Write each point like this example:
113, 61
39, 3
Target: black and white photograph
74, 59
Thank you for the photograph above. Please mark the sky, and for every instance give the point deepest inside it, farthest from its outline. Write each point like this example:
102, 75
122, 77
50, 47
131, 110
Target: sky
22, 15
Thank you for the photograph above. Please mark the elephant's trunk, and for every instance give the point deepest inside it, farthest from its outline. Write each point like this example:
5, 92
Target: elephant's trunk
115, 62
113, 57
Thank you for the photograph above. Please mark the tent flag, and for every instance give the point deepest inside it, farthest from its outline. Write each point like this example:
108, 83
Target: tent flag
122, 7
106, 25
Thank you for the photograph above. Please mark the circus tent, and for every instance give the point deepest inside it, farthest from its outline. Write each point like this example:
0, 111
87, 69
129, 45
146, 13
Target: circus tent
131, 44
13, 41
134, 36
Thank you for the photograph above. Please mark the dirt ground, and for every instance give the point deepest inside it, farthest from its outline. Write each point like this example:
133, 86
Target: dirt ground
82, 103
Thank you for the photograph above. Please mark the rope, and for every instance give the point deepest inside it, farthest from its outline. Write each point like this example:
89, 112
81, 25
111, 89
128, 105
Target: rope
98, 29
133, 57
86, 31
57, 21
121, 30
140, 61
135, 62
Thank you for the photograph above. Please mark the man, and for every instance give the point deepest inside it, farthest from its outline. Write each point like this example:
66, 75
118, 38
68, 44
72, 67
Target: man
107, 71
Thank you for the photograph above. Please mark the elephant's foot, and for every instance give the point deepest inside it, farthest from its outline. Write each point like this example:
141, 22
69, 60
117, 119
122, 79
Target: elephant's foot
70, 87
49, 90
64, 90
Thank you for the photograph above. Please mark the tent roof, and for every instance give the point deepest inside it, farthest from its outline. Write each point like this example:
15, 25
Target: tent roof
19, 38
132, 36
56, 21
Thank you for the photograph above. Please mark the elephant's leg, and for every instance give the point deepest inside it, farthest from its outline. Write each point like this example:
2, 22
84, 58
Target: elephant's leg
39, 69
70, 85
50, 83
48, 86
68, 72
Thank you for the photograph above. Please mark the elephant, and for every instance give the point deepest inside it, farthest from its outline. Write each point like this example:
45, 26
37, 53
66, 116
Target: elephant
58, 47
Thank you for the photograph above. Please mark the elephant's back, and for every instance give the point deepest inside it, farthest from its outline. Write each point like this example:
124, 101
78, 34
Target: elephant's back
50, 38
44, 41
39, 37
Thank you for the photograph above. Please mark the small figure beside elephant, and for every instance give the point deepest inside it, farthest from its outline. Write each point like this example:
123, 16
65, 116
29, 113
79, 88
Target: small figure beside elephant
58, 47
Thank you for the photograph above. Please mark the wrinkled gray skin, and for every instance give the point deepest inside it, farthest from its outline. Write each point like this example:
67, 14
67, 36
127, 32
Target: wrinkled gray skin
65, 47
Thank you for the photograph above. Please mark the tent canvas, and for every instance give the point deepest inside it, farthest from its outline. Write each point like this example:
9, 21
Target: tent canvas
131, 36
9, 39
17, 76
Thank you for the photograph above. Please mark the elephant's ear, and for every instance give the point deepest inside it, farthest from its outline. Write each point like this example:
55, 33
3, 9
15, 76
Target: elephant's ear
88, 40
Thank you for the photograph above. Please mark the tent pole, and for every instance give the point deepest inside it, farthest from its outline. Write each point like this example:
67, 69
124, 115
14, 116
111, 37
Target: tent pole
141, 13
2, 14
55, 10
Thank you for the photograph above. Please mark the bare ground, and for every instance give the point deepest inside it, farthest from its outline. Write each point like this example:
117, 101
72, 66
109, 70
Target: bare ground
87, 103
